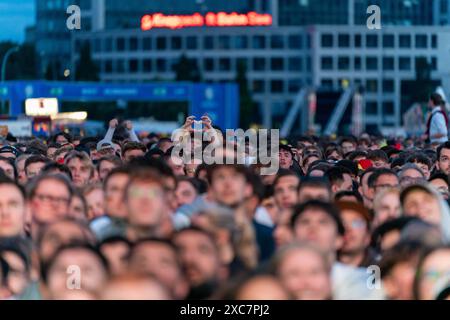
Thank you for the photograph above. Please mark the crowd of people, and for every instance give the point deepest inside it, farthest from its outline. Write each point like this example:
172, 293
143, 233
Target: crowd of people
118, 218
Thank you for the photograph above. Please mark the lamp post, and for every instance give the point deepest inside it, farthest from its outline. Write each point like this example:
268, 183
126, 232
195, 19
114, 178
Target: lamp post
4, 62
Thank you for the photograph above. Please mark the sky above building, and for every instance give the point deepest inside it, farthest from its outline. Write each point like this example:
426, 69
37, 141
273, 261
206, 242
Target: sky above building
15, 16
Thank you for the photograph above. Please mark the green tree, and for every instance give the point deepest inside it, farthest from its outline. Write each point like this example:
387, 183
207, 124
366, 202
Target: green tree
247, 104
187, 70
86, 69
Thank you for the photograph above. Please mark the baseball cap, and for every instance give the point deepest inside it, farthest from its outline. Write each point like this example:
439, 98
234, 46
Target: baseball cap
9, 149
101, 145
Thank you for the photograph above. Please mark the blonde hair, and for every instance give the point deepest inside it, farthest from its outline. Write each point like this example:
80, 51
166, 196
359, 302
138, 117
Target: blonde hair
379, 196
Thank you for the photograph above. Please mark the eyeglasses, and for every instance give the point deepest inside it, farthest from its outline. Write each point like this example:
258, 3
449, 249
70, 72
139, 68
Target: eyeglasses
48, 198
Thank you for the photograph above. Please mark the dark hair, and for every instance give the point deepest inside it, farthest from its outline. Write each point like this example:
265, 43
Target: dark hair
378, 173
119, 170
115, 239
318, 182
401, 252
113, 159
419, 157
194, 182
342, 194
142, 241
35, 159
12, 163
65, 135
284, 173
239, 168
436, 99
357, 153
445, 145
350, 165
388, 226
335, 174
62, 168
196, 229
377, 155
329, 208
5, 180
132, 145
32, 187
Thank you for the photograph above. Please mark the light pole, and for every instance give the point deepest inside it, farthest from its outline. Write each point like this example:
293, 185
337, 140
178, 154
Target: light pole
4, 62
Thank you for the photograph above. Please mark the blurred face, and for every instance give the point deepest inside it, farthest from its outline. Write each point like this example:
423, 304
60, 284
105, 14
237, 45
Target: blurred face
185, 193
61, 140
357, 236
345, 185
285, 158
317, 227
307, 193
388, 208
283, 232
378, 163
12, 211
81, 172
441, 186
131, 154
50, 201
21, 175
262, 288
347, 147
59, 234
365, 190
424, 168
229, 187
114, 192
178, 169
308, 162
385, 181
8, 169
95, 202
399, 283
199, 257
411, 176
158, 260
435, 267
443, 163
34, 169
51, 152
271, 207
285, 192
190, 169
104, 168
304, 275
421, 204
18, 277
93, 273
146, 203
117, 255
135, 289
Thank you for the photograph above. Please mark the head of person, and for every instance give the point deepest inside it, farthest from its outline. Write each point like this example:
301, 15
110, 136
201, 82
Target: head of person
116, 250
134, 287
164, 144
159, 259
228, 184
87, 266
146, 202
379, 159
199, 256
398, 268
49, 198
78, 208
348, 144
386, 206
9, 152
12, 208
318, 168
132, 150
20, 166
94, 195
81, 167
319, 222
61, 153
304, 270
286, 156
410, 174
51, 149
308, 159
55, 168
380, 180
285, 189
334, 153
106, 164
422, 161
351, 196
440, 182
388, 234
175, 163
314, 188
62, 138
34, 165
357, 155
364, 189
340, 179
432, 273
17, 254
187, 190
443, 158
114, 187
8, 167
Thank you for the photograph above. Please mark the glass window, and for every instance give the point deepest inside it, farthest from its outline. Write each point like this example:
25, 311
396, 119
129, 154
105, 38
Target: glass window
388, 41
277, 42
434, 41
161, 43
371, 107
108, 45
161, 65
133, 44
327, 63
343, 63
120, 66
357, 41
259, 64
208, 42
371, 41
295, 42
176, 43
276, 86
241, 42
120, 44
224, 42
191, 43
295, 64
371, 63
209, 64
259, 42
404, 63
388, 107
259, 86
147, 65
388, 85
358, 65
372, 85
277, 64
242, 61
405, 41
327, 40
147, 43
434, 65
108, 66
421, 41
224, 64
388, 63
133, 65
344, 41
327, 83
294, 85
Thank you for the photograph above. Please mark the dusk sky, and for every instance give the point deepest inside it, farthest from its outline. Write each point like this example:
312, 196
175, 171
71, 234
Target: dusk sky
15, 16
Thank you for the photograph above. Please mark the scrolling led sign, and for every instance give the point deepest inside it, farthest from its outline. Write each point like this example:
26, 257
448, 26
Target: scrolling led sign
211, 19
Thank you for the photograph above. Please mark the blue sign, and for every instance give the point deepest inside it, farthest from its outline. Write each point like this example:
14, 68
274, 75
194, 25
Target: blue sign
219, 101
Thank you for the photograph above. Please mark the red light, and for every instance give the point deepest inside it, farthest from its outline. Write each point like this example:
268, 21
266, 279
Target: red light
211, 19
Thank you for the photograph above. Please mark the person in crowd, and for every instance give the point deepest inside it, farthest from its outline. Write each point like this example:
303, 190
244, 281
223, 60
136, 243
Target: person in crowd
386, 206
